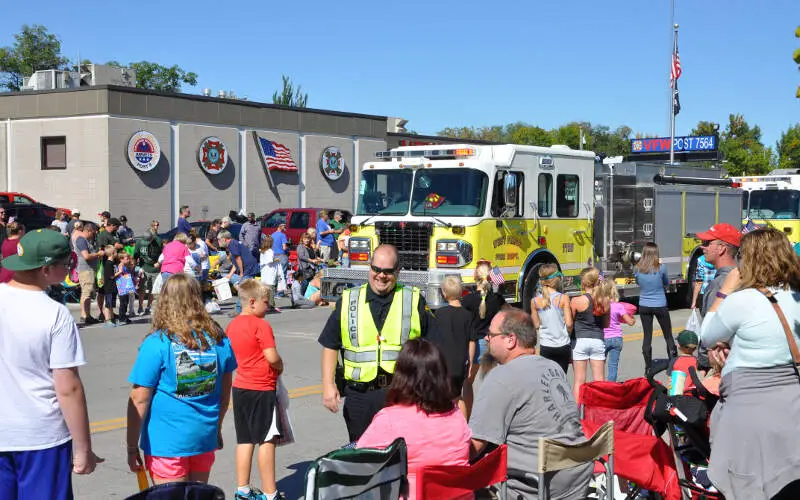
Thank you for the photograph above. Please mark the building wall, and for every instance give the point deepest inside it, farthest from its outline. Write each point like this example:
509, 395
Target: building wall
141, 196
319, 191
84, 184
262, 195
208, 195
3, 157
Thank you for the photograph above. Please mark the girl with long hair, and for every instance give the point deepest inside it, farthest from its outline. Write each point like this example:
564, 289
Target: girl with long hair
420, 408
651, 276
754, 426
483, 304
590, 313
181, 387
618, 314
552, 317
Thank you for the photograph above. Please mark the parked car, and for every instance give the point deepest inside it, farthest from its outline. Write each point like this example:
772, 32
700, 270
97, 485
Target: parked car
11, 197
297, 221
202, 228
32, 215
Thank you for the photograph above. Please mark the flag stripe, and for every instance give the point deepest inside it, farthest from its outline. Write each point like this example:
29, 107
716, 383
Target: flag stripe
276, 156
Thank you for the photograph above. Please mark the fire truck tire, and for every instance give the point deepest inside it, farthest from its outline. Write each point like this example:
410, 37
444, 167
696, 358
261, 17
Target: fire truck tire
529, 286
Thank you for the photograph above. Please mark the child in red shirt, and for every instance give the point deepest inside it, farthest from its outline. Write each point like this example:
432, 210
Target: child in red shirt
687, 344
254, 399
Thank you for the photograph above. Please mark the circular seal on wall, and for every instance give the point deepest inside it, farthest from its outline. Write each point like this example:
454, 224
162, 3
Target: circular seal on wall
144, 152
332, 163
212, 155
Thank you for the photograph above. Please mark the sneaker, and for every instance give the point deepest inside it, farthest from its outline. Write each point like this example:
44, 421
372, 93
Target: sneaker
109, 324
254, 494
140, 311
147, 310
89, 320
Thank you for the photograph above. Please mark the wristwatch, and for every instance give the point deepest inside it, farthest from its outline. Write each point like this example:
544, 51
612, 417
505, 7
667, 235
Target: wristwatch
721, 295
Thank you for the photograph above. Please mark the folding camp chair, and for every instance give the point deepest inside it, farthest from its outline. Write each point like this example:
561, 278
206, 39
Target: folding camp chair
70, 291
365, 473
180, 491
555, 456
445, 482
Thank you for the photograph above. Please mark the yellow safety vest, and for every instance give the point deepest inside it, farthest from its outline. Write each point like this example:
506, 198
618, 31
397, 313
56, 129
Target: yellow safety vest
365, 348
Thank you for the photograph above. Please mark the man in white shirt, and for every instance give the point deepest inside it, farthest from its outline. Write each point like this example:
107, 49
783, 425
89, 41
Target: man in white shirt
44, 424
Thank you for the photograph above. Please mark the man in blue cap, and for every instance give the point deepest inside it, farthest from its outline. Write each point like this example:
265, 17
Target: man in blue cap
44, 436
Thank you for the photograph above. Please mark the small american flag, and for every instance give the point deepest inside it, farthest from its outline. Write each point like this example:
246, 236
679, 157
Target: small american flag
276, 156
496, 276
750, 226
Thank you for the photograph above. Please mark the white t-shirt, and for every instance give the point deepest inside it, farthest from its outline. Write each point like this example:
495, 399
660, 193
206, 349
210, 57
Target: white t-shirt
37, 335
269, 268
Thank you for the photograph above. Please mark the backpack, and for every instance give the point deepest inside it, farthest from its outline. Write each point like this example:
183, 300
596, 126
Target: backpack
152, 251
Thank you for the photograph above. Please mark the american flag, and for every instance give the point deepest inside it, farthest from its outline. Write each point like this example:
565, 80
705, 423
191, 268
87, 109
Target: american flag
676, 71
496, 276
750, 226
276, 156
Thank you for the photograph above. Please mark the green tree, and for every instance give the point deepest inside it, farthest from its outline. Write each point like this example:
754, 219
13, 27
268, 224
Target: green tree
607, 142
154, 76
290, 96
569, 134
532, 136
788, 148
34, 49
705, 128
797, 56
743, 150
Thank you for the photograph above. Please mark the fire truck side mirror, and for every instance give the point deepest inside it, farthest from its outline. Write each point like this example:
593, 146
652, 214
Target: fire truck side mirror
510, 190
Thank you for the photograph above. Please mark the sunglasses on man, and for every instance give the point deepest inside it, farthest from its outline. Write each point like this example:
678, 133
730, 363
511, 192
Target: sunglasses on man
385, 270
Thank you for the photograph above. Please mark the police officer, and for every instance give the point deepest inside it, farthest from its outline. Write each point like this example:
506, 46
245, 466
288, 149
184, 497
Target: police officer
369, 326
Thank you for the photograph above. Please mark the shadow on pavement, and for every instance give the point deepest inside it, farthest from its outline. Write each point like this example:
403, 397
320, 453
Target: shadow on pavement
293, 486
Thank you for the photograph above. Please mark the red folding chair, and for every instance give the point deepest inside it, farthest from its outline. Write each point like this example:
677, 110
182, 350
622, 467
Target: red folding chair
448, 482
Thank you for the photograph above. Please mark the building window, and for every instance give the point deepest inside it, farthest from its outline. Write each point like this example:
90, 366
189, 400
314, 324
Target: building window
54, 153
567, 195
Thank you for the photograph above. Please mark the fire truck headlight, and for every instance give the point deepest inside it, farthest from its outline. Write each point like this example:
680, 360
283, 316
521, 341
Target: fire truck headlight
453, 253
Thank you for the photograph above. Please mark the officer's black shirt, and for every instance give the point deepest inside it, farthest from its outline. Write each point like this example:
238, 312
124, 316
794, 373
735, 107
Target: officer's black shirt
331, 336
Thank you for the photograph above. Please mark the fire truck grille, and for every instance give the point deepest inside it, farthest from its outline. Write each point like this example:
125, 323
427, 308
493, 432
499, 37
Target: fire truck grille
412, 240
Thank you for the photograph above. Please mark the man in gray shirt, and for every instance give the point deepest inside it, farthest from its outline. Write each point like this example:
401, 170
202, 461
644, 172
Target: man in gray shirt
87, 263
720, 246
250, 235
524, 398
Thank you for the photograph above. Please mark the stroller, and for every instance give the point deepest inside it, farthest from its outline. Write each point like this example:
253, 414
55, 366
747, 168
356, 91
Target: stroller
642, 459
686, 419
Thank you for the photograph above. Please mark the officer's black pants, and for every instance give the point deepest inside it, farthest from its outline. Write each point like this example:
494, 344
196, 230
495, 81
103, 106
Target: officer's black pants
359, 408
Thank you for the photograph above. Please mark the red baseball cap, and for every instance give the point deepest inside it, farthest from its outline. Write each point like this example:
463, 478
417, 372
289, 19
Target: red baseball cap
723, 232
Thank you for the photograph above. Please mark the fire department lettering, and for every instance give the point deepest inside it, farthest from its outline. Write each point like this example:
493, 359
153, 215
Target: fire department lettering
507, 240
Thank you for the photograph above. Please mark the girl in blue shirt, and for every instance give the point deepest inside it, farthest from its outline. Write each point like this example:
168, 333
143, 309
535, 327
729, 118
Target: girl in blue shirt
181, 388
651, 276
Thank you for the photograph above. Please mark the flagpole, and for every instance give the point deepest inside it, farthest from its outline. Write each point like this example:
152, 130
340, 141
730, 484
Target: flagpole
673, 89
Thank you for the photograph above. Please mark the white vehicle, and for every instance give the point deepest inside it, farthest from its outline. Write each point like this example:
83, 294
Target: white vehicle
773, 200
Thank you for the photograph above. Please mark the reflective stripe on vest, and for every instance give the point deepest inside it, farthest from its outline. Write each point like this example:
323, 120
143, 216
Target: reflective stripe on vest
363, 351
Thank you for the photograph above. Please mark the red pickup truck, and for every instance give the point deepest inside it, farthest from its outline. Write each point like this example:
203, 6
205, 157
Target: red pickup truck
297, 221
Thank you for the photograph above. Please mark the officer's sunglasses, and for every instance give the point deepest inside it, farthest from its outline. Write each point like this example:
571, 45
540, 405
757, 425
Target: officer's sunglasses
385, 270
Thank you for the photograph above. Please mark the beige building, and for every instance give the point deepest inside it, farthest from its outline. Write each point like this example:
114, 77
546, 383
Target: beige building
80, 148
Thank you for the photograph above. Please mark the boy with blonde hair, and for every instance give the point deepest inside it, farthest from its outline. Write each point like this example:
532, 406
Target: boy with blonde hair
455, 326
255, 412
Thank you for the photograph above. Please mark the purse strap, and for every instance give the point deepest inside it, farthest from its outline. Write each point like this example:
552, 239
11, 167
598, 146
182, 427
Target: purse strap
788, 331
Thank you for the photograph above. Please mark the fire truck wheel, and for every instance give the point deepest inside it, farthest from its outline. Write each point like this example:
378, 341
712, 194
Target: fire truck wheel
529, 287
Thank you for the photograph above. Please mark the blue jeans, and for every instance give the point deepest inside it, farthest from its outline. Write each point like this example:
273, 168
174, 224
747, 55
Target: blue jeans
613, 350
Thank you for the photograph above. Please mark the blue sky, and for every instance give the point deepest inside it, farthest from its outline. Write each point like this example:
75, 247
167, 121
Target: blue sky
442, 63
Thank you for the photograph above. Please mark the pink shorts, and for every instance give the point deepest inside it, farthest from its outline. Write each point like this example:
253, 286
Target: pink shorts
178, 467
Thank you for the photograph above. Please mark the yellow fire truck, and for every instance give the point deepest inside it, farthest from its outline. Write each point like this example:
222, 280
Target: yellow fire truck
445, 207
773, 200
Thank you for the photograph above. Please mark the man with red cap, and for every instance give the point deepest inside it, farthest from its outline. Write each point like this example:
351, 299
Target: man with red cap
720, 245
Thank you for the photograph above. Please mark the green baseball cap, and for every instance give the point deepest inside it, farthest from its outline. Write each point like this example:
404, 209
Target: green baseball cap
687, 338
36, 249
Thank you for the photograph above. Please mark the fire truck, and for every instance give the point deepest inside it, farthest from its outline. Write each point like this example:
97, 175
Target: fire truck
773, 200
445, 207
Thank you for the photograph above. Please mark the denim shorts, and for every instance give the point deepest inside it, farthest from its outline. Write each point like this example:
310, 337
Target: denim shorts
594, 349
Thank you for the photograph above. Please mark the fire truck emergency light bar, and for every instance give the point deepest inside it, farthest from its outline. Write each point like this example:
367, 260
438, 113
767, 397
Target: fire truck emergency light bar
426, 153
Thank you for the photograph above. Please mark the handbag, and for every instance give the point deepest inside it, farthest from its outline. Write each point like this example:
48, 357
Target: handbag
786, 330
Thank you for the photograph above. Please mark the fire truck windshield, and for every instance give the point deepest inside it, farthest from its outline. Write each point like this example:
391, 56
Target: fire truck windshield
452, 192
384, 192
773, 204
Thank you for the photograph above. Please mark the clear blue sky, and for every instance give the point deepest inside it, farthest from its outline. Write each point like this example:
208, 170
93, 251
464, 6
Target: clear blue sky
445, 63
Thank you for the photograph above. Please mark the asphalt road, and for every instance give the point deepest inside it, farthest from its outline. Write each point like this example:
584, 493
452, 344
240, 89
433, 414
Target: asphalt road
111, 352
